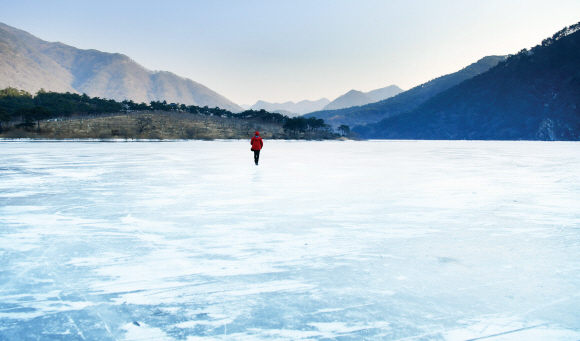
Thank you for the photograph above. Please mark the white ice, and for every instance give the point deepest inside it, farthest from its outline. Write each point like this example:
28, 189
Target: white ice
373, 240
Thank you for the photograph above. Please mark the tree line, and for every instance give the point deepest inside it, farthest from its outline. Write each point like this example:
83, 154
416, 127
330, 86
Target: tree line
26, 111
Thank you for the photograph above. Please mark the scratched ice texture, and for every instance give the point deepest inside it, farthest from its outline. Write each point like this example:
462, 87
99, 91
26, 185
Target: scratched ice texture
370, 240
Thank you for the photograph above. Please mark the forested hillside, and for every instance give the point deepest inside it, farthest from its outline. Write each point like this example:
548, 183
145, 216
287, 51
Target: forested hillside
24, 115
533, 95
404, 101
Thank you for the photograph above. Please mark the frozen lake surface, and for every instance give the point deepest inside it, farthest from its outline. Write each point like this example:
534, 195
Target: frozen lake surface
375, 240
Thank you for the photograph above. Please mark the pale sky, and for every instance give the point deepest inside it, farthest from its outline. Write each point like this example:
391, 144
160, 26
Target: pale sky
292, 50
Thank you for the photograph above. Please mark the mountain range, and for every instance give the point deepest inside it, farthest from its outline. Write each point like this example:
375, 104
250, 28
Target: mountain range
349, 99
290, 108
533, 95
404, 101
30, 63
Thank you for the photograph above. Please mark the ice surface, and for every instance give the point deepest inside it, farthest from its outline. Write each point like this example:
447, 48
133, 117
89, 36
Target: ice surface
375, 240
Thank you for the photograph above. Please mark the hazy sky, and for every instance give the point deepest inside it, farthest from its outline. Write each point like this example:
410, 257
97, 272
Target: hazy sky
291, 50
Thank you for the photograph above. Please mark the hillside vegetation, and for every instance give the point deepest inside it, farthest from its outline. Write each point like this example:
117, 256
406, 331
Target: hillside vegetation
160, 125
66, 115
533, 95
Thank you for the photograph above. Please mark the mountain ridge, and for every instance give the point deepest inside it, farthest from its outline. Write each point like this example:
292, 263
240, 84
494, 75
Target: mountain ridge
17, 55
404, 101
306, 106
60, 67
533, 95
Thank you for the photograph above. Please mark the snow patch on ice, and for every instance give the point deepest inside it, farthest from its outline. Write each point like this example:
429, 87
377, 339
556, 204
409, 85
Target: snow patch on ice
510, 329
144, 332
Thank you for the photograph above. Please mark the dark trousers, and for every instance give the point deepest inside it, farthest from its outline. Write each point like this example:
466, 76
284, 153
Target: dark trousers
256, 156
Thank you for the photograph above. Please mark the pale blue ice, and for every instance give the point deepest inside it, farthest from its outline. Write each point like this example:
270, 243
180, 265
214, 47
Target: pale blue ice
368, 240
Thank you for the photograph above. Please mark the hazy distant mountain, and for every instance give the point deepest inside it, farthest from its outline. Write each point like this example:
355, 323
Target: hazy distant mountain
29, 63
533, 95
405, 101
350, 99
384, 93
357, 98
294, 109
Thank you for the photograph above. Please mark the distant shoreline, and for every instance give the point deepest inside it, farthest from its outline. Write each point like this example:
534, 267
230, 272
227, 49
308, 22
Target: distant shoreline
41, 139
158, 126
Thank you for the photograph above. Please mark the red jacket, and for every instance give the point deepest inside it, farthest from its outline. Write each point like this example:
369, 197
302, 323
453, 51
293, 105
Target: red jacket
256, 143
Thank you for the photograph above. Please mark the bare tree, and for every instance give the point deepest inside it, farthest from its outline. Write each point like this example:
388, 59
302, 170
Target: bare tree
143, 123
247, 128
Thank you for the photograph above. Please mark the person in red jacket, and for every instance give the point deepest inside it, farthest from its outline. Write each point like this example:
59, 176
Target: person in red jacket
257, 145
